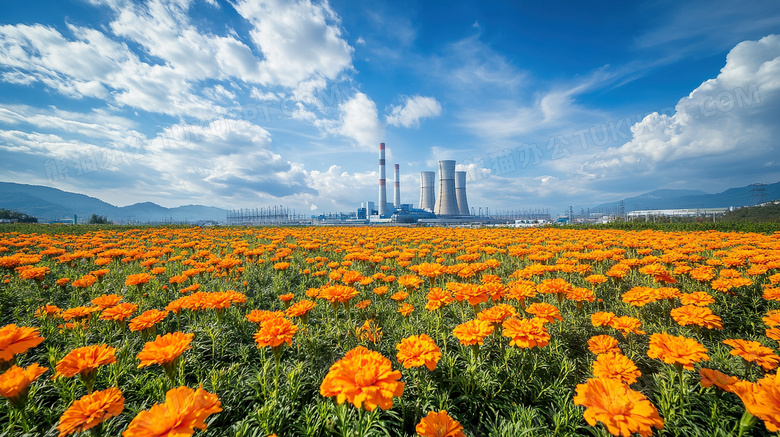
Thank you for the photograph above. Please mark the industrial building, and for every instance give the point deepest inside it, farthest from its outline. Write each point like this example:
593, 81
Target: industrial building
451, 202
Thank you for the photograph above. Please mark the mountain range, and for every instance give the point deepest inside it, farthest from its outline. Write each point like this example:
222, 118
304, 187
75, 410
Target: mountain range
693, 199
51, 204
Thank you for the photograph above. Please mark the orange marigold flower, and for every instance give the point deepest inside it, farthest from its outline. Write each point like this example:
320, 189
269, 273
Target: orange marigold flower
418, 350
165, 350
275, 332
261, 316
91, 410
429, 270
603, 344
106, 301
84, 361
544, 311
17, 340
521, 290
138, 279
410, 281
616, 366
438, 297
473, 332
626, 325
119, 312
596, 279
79, 313
406, 309
63, 282
710, 377
365, 379
698, 298
754, 352
399, 296
34, 273
281, 266
147, 320
84, 281
677, 350
526, 333
16, 380
694, 315
48, 311
363, 304
761, 399
439, 425
601, 318
622, 410
287, 297
300, 308
639, 296
379, 291
184, 410
773, 333
772, 318
497, 314
370, 331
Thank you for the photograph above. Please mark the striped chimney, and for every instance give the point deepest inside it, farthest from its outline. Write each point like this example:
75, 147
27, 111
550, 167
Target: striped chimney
382, 209
397, 189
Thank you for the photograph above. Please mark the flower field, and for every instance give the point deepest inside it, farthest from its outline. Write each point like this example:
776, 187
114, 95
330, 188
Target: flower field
322, 331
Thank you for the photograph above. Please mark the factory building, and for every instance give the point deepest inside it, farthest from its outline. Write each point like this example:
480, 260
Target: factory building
450, 202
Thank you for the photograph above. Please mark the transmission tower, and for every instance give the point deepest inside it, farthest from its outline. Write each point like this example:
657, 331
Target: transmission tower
759, 193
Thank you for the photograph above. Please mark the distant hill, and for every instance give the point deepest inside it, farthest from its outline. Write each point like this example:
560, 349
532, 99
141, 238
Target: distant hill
49, 204
691, 199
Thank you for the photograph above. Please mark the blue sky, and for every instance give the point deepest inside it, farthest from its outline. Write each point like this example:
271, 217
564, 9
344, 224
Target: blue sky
255, 103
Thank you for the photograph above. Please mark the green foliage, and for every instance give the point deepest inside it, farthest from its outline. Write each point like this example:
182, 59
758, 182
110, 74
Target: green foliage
19, 216
764, 213
95, 219
502, 391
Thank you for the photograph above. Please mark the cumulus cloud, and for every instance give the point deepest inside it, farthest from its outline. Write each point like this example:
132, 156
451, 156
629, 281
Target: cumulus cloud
726, 122
297, 45
358, 121
413, 110
299, 40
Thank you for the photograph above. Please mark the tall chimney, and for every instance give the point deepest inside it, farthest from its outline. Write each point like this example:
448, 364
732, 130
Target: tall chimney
397, 189
427, 193
460, 193
382, 210
446, 203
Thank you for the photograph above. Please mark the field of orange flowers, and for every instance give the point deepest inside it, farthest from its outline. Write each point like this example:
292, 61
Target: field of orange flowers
321, 331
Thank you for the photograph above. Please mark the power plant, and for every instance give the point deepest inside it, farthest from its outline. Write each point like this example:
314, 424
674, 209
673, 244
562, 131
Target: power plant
446, 202
427, 193
449, 204
460, 193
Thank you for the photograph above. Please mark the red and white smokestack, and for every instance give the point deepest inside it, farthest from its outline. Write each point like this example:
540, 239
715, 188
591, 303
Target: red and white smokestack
382, 209
397, 189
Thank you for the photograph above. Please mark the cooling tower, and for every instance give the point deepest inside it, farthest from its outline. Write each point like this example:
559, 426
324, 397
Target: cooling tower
397, 189
460, 193
382, 209
446, 203
427, 193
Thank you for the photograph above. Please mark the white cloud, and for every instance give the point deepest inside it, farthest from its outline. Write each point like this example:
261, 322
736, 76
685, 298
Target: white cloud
726, 122
413, 110
298, 45
227, 157
339, 190
299, 40
358, 120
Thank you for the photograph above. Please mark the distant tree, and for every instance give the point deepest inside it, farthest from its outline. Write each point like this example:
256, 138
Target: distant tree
19, 216
98, 220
